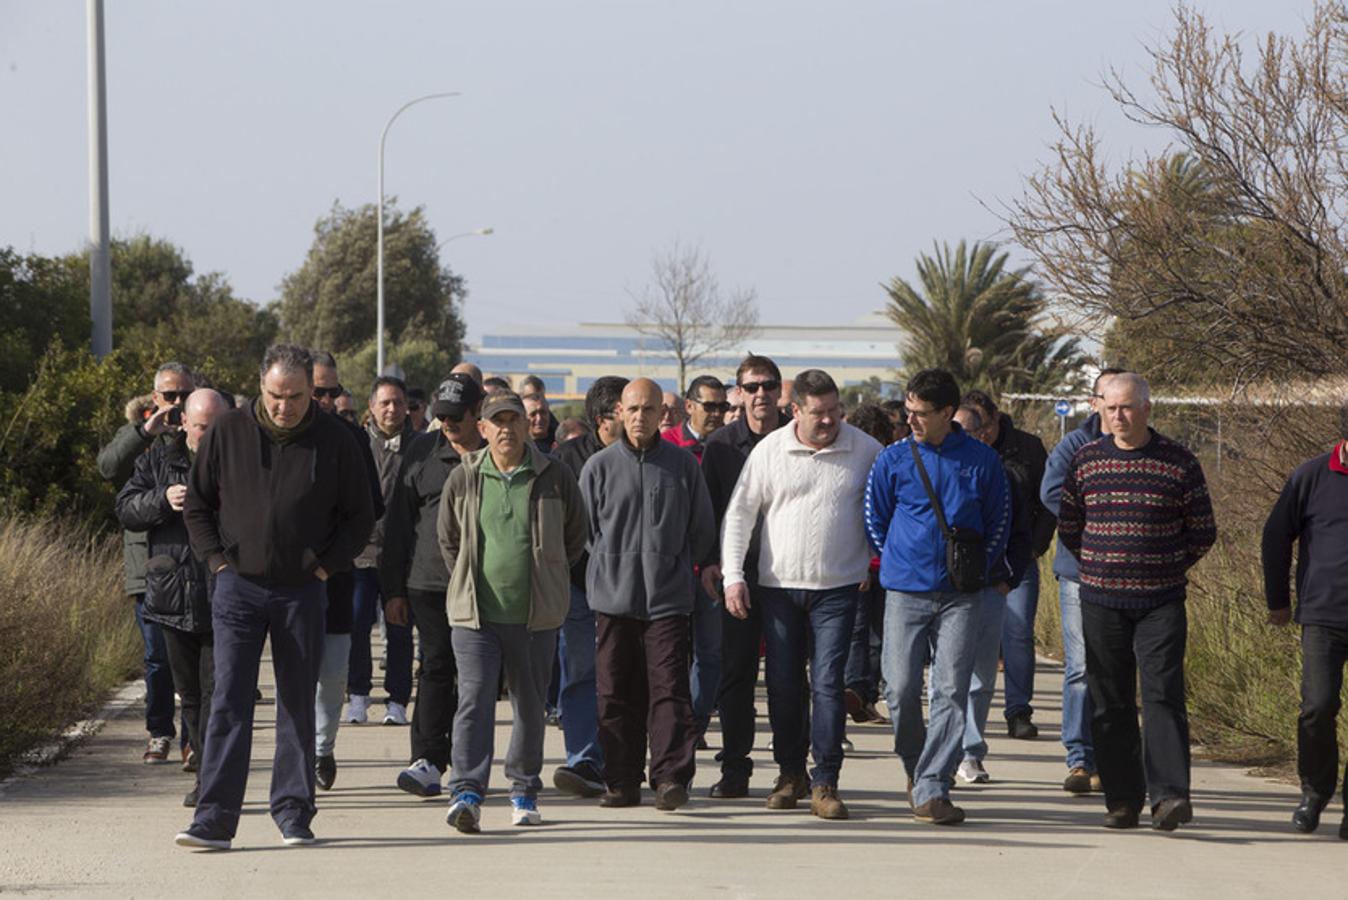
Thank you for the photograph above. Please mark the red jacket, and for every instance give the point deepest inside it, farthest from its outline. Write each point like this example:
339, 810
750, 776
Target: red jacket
680, 436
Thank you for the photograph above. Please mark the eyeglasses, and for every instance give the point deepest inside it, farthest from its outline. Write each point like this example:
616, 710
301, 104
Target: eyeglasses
714, 405
333, 392
751, 387
174, 396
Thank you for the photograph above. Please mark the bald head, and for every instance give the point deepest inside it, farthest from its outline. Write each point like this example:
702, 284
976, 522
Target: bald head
203, 406
467, 368
640, 406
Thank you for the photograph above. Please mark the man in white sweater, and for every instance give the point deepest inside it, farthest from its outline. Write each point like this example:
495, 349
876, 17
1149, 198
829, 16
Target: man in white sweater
807, 481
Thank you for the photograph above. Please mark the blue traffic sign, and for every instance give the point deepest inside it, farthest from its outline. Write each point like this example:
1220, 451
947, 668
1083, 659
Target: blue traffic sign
1062, 408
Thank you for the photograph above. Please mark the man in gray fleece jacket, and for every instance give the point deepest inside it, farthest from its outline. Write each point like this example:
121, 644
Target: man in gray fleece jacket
651, 521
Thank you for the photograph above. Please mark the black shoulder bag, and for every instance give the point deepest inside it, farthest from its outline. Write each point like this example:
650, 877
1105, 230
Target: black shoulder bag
966, 559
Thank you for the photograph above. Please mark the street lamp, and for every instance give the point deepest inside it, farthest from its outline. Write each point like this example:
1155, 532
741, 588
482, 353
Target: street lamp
476, 232
379, 241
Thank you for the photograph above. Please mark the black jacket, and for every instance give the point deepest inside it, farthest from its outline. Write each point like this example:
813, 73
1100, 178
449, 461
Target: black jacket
573, 454
412, 557
1312, 513
341, 586
274, 512
177, 586
723, 459
1024, 456
116, 461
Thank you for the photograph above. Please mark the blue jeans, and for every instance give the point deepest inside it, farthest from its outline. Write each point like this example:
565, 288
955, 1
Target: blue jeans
331, 687
1018, 644
863, 657
800, 624
1077, 709
939, 627
705, 676
987, 642
158, 676
576, 699
365, 600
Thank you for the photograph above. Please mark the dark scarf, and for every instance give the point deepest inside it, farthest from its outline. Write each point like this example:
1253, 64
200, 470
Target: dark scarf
278, 434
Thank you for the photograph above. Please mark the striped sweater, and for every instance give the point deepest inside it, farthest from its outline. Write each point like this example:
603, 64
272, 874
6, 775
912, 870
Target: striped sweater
1136, 520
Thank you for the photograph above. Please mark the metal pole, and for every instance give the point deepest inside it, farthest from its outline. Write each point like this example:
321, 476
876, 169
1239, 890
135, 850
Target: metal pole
379, 231
100, 261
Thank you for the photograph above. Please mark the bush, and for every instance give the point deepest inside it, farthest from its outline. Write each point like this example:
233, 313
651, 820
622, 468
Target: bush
67, 630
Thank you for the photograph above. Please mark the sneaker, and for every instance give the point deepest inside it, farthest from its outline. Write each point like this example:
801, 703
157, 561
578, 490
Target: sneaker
825, 804
296, 835
788, 790
848, 746
551, 717
524, 811
157, 750
357, 709
939, 811
1021, 728
190, 801
971, 771
421, 778
465, 812
198, 839
1078, 781
580, 780
325, 771
670, 796
395, 713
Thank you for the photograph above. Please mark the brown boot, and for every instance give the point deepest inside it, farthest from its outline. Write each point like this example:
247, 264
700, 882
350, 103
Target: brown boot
618, 796
825, 804
788, 790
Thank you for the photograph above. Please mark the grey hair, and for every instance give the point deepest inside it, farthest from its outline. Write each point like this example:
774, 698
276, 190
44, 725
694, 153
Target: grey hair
176, 368
290, 358
1134, 381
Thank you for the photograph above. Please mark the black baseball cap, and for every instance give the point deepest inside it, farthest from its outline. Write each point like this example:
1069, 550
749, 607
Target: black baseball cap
455, 396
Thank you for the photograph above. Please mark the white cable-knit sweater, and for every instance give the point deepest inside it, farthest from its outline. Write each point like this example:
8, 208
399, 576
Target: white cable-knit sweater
814, 533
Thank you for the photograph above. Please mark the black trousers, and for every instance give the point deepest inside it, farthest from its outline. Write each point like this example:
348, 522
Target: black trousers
1324, 651
741, 640
192, 660
1120, 646
437, 686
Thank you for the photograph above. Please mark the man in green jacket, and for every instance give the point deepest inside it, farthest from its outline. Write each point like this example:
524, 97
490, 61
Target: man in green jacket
510, 524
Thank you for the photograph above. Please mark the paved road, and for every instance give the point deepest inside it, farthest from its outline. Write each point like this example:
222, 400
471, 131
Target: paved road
102, 823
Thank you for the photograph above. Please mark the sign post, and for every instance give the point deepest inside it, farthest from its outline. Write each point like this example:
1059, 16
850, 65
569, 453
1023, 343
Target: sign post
1064, 409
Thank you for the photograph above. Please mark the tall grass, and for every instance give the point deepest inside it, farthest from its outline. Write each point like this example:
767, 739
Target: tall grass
67, 630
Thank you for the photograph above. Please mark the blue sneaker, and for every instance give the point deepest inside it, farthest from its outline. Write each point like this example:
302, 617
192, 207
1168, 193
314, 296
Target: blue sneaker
465, 812
524, 811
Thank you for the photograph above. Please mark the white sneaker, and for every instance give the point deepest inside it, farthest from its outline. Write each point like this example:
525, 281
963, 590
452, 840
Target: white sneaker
971, 771
524, 811
395, 714
421, 778
357, 709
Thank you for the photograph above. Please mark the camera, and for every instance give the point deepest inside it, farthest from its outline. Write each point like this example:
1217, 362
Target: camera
175, 416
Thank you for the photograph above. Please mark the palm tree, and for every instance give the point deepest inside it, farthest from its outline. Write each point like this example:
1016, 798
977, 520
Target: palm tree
982, 323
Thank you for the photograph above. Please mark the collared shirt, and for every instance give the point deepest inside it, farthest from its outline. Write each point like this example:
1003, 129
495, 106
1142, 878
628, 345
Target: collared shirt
504, 552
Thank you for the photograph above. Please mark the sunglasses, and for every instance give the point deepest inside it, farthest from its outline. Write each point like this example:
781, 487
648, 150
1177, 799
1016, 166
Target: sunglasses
414, 407
751, 387
714, 405
174, 396
333, 392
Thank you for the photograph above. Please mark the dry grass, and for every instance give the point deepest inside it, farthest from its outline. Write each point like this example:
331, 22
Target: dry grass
67, 631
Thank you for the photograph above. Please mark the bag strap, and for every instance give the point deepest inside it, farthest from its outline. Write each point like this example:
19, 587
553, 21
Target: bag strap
931, 494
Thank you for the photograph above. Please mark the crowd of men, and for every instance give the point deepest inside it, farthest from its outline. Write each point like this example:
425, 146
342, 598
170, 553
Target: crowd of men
622, 571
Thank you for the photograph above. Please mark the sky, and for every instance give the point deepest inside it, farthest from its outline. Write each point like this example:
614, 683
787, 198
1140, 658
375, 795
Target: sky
810, 149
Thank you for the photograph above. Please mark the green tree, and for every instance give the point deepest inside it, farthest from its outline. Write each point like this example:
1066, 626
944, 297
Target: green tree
40, 299
985, 324
423, 364
329, 302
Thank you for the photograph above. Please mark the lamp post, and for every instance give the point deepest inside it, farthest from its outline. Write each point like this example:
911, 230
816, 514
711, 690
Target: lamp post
476, 232
379, 225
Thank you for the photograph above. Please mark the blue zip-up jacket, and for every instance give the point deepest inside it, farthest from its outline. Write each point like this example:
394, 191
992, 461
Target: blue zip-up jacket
1065, 565
968, 477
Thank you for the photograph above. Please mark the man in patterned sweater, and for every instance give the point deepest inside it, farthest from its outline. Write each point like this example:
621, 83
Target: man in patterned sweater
1136, 513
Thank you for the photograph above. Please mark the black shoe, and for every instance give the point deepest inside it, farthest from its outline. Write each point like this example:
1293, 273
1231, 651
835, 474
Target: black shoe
731, 786
580, 780
325, 771
296, 835
618, 797
670, 796
1306, 817
1170, 814
1121, 817
1021, 728
702, 743
190, 801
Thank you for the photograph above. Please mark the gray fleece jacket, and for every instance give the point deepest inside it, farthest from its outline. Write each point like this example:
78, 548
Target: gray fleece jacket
651, 521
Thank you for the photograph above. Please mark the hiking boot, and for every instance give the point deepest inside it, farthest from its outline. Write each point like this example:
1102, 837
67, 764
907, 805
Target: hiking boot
825, 804
939, 811
619, 796
1122, 816
325, 771
1172, 813
580, 780
787, 790
1021, 728
1078, 781
670, 796
731, 786
971, 771
156, 751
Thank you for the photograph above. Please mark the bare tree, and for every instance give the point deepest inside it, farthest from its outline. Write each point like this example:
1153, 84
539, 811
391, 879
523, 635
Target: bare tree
1233, 259
684, 309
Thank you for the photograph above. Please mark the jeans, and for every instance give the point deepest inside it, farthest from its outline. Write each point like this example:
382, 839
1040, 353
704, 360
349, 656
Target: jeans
192, 659
244, 613
1122, 645
158, 676
936, 627
437, 688
815, 625
576, 700
481, 655
740, 640
1017, 639
705, 676
398, 676
863, 657
1323, 654
330, 691
1077, 709
987, 642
